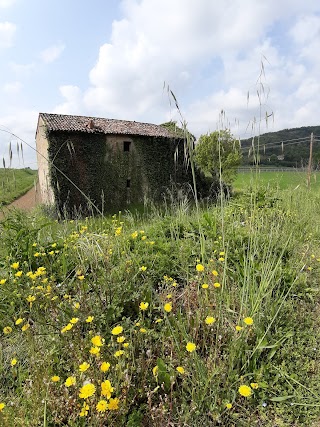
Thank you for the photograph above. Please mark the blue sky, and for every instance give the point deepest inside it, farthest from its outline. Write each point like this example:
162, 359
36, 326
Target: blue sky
111, 59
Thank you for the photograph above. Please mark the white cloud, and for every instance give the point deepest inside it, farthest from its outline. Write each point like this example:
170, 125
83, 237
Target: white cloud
22, 70
7, 31
12, 88
73, 100
6, 3
52, 53
177, 41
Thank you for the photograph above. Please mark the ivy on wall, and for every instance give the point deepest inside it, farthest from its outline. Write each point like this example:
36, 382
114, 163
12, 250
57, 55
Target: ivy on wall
111, 178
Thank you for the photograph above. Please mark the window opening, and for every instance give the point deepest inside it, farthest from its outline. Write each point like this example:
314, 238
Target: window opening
126, 145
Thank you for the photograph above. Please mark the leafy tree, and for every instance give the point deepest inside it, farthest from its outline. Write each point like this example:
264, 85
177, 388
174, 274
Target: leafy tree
218, 150
179, 131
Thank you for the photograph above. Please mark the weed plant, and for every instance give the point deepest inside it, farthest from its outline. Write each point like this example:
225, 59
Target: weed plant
184, 318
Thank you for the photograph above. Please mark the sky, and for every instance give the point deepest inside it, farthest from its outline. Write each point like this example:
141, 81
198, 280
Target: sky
249, 65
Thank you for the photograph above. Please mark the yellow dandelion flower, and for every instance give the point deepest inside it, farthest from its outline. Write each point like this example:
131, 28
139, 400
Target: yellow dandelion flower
228, 405
205, 286
102, 406
167, 307
106, 389
216, 285
126, 345
143, 330
113, 404
155, 371
7, 330
214, 273
68, 327
143, 268
70, 381
94, 350
55, 378
158, 320
105, 366
118, 231
87, 390
89, 319
18, 273
84, 410
76, 305
199, 267
97, 341
74, 320
31, 298
81, 277
15, 265
238, 328
143, 306
180, 369
117, 330
143, 237
190, 347
3, 281
13, 362
209, 320
2, 406
134, 235
18, 321
248, 321
254, 386
118, 353
121, 339
245, 390
84, 367
25, 327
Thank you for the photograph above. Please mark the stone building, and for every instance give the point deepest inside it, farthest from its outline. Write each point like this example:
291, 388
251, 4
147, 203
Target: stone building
91, 163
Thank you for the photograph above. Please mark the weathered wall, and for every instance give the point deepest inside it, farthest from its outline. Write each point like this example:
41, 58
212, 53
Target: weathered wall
113, 171
46, 191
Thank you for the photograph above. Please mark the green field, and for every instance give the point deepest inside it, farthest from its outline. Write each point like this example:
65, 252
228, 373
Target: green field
276, 180
15, 182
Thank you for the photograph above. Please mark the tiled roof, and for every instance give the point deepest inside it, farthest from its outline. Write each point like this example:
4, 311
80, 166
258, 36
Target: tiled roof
66, 123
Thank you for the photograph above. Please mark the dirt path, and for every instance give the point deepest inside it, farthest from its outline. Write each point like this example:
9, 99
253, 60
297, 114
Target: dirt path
26, 202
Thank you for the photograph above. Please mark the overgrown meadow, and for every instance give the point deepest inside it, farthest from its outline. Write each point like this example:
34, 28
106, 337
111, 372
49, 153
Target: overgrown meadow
172, 317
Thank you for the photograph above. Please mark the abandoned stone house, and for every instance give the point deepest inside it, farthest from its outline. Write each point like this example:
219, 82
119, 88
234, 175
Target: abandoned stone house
105, 163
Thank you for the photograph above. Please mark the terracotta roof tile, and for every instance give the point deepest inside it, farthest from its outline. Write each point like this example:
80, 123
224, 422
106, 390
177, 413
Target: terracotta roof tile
61, 122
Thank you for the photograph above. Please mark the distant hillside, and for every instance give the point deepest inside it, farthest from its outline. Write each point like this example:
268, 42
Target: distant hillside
287, 147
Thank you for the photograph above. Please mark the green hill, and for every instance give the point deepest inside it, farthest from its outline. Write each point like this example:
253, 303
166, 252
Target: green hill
287, 147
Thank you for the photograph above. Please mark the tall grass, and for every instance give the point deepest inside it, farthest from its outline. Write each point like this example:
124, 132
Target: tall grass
266, 266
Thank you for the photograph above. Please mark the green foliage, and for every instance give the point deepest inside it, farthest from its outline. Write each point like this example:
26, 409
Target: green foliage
218, 153
175, 129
